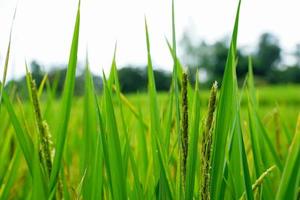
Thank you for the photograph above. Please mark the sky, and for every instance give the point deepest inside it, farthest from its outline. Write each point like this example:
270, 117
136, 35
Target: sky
43, 29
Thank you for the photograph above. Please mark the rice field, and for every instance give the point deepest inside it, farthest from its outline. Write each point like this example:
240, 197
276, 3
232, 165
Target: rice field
227, 143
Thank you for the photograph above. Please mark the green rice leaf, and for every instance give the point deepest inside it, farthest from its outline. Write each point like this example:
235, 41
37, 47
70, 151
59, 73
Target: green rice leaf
11, 175
42, 85
114, 153
193, 147
92, 144
66, 104
23, 138
289, 183
7, 59
157, 149
226, 114
39, 187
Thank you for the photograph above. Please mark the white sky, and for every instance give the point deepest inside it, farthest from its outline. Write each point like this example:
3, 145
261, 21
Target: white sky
43, 28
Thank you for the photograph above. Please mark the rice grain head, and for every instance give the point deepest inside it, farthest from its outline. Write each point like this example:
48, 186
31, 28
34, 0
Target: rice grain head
44, 133
207, 145
184, 128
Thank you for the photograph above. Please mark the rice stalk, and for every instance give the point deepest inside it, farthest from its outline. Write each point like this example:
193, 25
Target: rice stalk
207, 145
277, 132
44, 133
184, 128
260, 180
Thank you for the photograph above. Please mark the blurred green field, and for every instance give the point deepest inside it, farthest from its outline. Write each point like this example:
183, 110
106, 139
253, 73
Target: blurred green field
284, 98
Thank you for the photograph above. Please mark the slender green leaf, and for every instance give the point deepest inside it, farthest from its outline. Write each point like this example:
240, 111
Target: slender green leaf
193, 147
66, 104
11, 175
158, 150
7, 58
288, 188
114, 153
24, 140
225, 118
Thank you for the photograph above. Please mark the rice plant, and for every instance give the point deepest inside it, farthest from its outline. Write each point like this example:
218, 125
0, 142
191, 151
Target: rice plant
111, 148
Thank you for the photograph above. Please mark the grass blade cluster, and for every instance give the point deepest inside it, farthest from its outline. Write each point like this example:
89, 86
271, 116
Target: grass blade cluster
145, 146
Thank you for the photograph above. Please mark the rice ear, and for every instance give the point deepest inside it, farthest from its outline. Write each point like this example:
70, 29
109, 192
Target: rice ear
43, 129
207, 145
184, 128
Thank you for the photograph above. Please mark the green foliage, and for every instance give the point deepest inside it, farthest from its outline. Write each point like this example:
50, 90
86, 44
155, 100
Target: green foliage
66, 105
268, 54
267, 59
153, 145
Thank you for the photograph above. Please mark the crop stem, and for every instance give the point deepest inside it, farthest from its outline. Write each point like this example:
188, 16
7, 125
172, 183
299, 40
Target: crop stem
207, 145
184, 128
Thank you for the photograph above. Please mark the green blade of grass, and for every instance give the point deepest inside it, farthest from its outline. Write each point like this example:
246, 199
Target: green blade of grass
134, 167
260, 128
168, 121
132, 108
92, 155
66, 104
250, 83
239, 164
257, 150
42, 85
39, 187
154, 113
114, 153
5, 154
235, 182
142, 146
289, 183
238, 157
225, 117
11, 175
177, 104
158, 151
243, 156
193, 146
103, 143
262, 131
179, 69
7, 58
114, 81
22, 136
245, 167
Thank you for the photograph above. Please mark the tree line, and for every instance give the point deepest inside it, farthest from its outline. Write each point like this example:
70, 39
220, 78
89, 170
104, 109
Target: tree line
209, 59
267, 59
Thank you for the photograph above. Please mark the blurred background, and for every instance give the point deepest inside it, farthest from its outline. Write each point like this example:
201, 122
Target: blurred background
42, 34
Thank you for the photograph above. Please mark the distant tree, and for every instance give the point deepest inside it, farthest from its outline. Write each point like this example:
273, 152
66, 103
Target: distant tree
35, 67
212, 58
297, 54
289, 75
220, 52
132, 79
56, 78
135, 78
267, 56
162, 80
36, 71
196, 54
